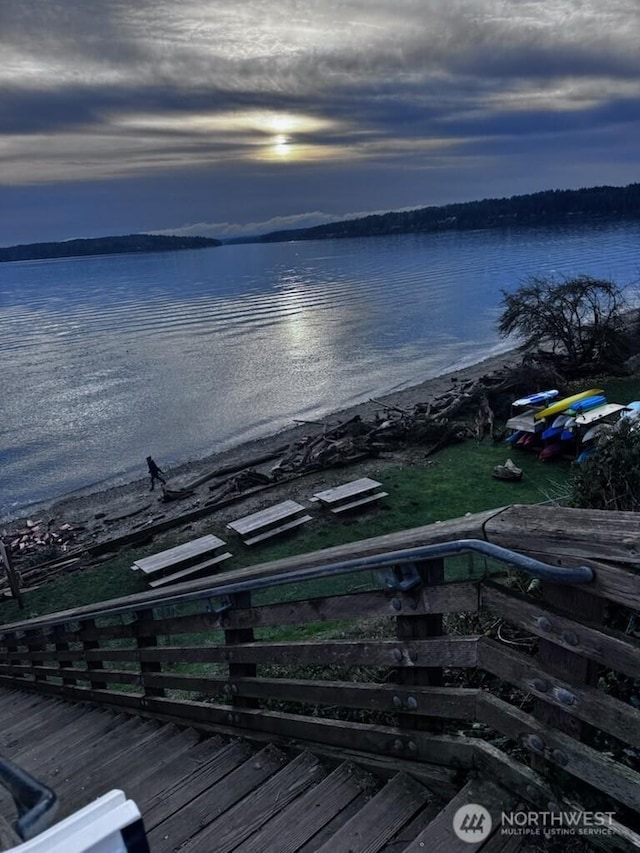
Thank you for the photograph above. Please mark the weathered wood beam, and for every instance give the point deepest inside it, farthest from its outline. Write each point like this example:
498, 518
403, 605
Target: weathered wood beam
445, 651
566, 531
586, 703
561, 750
615, 651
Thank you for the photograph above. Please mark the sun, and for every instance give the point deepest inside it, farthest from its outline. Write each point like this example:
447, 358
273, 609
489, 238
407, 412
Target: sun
282, 146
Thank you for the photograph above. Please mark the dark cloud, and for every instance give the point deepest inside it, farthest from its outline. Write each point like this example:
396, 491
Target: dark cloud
400, 103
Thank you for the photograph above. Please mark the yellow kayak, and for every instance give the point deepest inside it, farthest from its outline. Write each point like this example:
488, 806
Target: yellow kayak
565, 403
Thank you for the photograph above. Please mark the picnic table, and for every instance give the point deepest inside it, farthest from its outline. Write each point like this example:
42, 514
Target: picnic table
350, 495
193, 557
269, 522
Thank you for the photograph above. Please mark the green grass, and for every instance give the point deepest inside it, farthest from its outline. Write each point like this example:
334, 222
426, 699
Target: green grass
448, 485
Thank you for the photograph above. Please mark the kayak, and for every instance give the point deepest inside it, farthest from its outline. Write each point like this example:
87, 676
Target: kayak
594, 415
565, 403
537, 399
587, 404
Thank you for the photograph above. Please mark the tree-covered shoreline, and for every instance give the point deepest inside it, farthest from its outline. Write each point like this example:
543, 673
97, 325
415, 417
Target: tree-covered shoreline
104, 246
542, 208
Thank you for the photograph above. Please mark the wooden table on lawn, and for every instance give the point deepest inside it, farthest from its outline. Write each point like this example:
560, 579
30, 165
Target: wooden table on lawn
269, 522
193, 557
350, 495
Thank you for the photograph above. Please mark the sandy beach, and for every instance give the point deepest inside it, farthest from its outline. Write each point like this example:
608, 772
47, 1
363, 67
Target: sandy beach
110, 513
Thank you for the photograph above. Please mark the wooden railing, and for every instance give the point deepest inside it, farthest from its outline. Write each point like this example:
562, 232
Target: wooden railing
445, 663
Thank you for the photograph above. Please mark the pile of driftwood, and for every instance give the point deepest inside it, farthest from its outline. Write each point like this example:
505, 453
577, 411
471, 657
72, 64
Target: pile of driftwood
39, 537
463, 413
468, 410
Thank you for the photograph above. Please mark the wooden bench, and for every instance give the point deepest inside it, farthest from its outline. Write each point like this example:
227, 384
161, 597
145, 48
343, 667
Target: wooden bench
269, 522
351, 495
189, 559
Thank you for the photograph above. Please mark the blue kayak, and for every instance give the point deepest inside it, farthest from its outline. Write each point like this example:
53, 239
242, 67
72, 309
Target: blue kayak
536, 399
551, 432
587, 404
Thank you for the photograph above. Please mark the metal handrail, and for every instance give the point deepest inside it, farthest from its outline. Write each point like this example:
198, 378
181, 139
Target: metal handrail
35, 803
390, 559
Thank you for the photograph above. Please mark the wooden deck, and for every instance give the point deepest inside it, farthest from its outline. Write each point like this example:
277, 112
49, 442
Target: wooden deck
200, 793
269, 522
351, 495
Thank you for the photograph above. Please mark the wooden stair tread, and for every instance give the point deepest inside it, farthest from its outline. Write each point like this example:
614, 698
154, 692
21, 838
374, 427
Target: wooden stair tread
190, 784
381, 818
174, 769
439, 837
303, 819
44, 752
214, 801
72, 739
245, 817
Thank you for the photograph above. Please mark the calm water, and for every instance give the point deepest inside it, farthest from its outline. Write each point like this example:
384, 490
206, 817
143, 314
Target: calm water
106, 360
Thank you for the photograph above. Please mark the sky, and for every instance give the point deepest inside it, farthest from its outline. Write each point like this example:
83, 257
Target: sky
234, 117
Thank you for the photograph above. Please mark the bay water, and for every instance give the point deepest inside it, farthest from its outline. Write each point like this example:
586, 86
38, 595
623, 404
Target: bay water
105, 360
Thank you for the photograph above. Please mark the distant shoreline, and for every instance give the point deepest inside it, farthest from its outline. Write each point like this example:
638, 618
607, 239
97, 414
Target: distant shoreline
92, 247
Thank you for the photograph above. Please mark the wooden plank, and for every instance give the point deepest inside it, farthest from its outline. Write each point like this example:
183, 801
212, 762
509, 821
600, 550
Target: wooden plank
276, 531
450, 702
381, 818
605, 647
445, 651
618, 583
243, 819
179, 554
235, 637
578, 759
220, 797
188, 787
439, 835
360, 502
266, 517
296, 825
417, 628
192, 570
562, 662
388, 741
347, 490
459, 597
588, 703
566, 531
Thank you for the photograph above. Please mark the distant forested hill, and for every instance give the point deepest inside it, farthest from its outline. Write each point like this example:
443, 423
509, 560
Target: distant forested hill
543, 208
104, 246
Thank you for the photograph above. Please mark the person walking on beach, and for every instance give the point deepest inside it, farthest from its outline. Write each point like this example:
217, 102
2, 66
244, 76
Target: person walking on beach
155, 473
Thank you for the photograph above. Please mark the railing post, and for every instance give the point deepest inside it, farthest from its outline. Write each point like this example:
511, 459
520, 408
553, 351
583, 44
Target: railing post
146, 638
563, 663
234, 636
421, 628
35, 643
86, 626
12, 646
63, 663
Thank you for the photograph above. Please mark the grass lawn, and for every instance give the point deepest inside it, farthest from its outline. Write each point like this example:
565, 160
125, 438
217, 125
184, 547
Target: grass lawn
448, 485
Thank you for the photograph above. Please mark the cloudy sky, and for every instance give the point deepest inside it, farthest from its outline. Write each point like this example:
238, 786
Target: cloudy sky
239, 116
